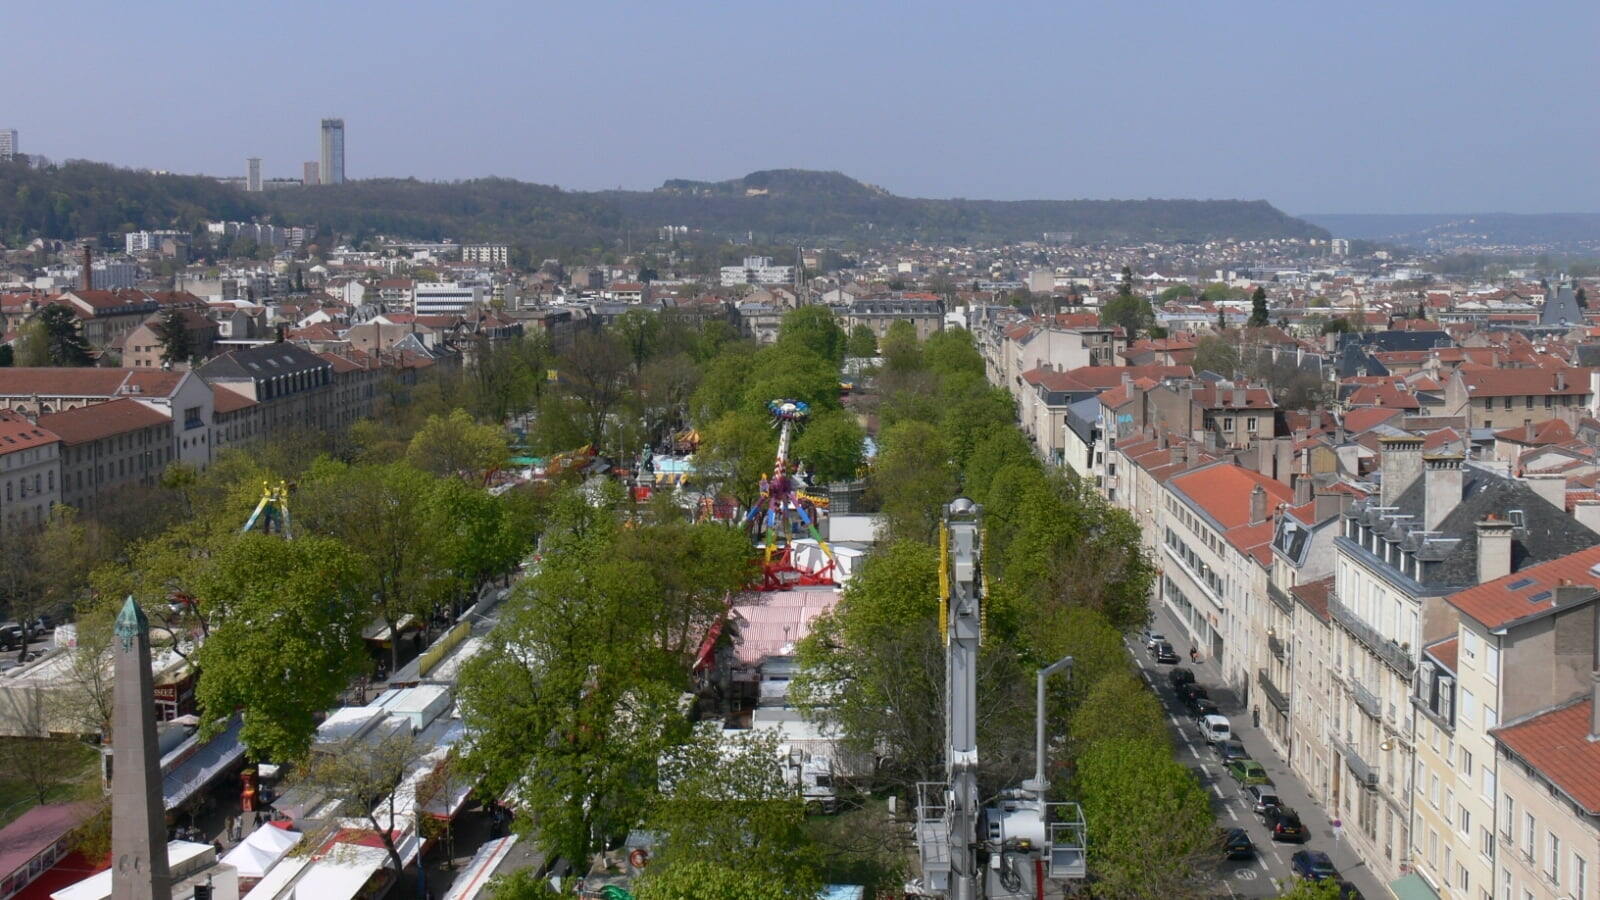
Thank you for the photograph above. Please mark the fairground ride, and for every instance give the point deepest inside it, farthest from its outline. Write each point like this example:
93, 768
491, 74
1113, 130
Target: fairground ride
272, 512
783, 507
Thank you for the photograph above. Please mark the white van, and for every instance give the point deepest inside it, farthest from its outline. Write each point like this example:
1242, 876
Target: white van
1216, 729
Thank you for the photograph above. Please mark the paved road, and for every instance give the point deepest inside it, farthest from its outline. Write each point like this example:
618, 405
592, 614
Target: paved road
1260, 877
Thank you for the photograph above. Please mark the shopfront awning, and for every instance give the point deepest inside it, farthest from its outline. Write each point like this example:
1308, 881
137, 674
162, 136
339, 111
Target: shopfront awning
194, 774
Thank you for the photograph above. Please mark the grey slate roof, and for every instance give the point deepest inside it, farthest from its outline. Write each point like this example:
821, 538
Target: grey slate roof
1544, 532
1081, 417
1561, 307
265, 361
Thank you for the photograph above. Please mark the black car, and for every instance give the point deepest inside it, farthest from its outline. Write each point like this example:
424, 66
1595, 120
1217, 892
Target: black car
1228, 751
1312, 864
1165, 654
1180, 676
1284, 824
1187, 692
1236, 844
1201, 707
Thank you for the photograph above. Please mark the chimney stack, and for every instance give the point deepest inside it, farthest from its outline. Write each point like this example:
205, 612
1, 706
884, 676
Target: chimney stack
1551, 486
86, 280
1587, 512
1239, 397
1561, 380
1328, 505
1401, 461
1258, 505
1494, 549
1302, 489
1442, 489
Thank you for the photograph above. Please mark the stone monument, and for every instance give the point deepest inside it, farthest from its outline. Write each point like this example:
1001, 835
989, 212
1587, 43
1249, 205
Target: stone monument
138, 816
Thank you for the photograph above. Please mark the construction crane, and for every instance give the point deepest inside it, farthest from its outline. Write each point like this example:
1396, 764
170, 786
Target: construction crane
1012, 847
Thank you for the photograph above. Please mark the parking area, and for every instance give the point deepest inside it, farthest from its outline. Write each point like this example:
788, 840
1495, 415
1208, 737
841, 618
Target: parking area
1269, 870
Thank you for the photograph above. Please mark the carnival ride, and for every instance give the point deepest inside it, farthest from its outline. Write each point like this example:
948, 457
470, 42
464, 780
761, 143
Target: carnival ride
783, 504
272, 511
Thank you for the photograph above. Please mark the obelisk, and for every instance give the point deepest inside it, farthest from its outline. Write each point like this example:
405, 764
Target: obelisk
138, 816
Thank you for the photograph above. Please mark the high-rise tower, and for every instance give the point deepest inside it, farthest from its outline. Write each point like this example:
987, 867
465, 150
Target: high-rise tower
8, 143
138, 824
332, 151
252, 177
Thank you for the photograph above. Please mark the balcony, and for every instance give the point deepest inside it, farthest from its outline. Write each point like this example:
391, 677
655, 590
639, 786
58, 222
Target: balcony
1368, 701
1274, 696
1276, 646
1392, 654
1284, 601
1363, 772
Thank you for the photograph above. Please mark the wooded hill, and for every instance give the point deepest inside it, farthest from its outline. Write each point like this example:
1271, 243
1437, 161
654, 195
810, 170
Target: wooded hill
781, 206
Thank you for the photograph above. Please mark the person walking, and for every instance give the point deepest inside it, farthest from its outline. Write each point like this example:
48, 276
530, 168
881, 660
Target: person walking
1255, 716
1194, 653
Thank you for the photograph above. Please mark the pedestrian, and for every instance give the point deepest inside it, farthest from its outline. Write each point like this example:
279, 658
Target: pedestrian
1194, 653
1255, 716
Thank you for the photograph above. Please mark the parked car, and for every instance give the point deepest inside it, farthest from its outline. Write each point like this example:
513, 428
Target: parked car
1284, 824
1248, 771
1165, 654
1227, 751
1236, 844
1312, 864
10, 637
1152, 638
1262, 798
1180, 676
1200, 707
1215, 728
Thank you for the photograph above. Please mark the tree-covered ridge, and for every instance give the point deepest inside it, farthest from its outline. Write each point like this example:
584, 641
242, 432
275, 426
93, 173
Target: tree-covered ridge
80, 199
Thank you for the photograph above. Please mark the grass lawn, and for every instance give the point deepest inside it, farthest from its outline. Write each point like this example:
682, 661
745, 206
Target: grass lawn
77, 769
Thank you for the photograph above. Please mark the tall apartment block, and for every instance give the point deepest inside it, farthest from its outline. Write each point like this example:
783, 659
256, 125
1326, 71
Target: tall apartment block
8, 143
312, 174
252, 178
332, 151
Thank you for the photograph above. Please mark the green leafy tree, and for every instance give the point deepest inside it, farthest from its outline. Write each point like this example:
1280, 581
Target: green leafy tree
639, 332
366, 777
726, 802
63, 336
1152, 820
455, 446
900, 348
1258, 308
288, 643
1336, 325
735, 451
1130, 311
863, 343
831, 446
1118, 706
913, 478
1313, 889
172, 332
700, 880
813, 328
996, 451
791, 372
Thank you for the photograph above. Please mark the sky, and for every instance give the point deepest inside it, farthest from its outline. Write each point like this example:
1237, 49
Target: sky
1399, 106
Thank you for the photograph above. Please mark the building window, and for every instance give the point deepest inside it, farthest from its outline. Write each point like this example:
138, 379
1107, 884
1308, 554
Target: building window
1486, 843
1553, 869
1465, 820
1530, 828
1466, 762
1580, 876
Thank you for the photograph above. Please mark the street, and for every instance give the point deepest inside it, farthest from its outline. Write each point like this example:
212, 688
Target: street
1261, 876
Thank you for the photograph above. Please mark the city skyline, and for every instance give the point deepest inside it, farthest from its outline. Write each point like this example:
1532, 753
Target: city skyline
1372, 110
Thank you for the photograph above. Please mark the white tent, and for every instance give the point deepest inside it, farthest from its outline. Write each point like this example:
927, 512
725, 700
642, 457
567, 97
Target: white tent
261, 850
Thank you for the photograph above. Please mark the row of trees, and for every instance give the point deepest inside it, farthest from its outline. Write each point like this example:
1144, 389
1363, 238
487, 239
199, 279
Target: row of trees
1067, 576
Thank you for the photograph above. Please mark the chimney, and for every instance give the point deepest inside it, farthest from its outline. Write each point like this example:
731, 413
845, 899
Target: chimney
1328, 505
1527, 429
1239, 397
1258, 505
1494, 549
86, 280
1441, 489
1552, 487
1302, 489
1587, 512
1401, 463
1180, 453
1561, 380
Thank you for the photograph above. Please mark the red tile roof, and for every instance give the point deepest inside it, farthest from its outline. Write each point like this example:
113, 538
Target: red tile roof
1383, 395
1520, 382
17, 433
1314, 595
100, 420
1223, 398
1447, 652
82, 382
1359, 420
225, 400
1223, 491
1557, 744
1552, 431
1496, 604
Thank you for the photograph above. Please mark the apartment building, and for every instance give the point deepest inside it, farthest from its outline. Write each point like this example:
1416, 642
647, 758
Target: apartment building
1503, 398
182, 396
30, 458
1312, 689
108, 446
1510, 810
1437, 527
292, 385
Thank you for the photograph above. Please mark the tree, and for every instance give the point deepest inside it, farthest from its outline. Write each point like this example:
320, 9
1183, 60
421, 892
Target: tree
830, 446
63, 338
899, 348
1117, 706
455, 446
367, 776
289, 642
913, 478
172, 332
596, 372
735, 451
863, 344
699, 880
813, 328
1314, 889
29, 754
1258, 308
999, 449
33, 344
523, 884
725, 801
1131, 312
378, 512
1336, 325
1152, 819
1217, 354
639, 332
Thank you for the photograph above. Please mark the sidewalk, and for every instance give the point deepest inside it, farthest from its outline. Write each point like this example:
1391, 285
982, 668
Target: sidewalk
1234, 812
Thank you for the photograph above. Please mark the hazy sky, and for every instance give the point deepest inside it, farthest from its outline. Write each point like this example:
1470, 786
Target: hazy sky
1399, 106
